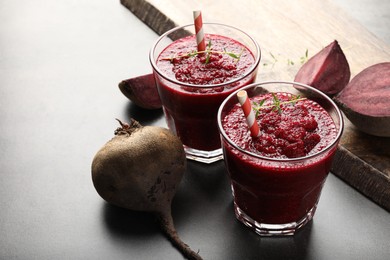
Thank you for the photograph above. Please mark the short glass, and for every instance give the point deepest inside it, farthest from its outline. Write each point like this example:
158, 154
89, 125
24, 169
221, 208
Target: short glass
277, 196
191, 109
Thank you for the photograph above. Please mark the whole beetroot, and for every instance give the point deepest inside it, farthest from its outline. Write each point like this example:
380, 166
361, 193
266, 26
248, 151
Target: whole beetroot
140, 169
327, 71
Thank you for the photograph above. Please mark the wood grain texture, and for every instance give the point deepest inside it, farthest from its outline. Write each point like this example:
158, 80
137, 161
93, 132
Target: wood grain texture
285, 30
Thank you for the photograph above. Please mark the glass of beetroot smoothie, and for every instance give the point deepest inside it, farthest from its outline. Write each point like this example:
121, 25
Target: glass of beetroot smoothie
277, 177
193, 84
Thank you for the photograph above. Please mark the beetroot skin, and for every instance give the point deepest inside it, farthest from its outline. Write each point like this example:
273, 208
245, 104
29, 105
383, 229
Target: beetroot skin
327, 71
366, 100
141, 90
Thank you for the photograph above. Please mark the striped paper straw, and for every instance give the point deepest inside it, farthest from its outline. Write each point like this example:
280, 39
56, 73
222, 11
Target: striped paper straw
199, 31
248, 112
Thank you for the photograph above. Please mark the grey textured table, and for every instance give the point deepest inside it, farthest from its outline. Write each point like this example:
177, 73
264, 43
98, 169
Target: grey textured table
60, 62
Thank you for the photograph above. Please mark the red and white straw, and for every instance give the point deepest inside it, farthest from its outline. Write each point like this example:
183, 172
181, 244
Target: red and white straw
248, 112
199, 31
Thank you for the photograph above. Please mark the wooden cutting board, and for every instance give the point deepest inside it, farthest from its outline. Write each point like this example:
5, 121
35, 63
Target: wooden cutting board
285, 30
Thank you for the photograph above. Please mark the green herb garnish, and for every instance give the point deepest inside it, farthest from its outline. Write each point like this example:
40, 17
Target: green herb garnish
276, 103
290, 62
208, 53
305, 57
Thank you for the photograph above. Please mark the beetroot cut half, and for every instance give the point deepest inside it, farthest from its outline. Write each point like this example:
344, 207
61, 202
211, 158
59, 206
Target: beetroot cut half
142, 91
328, 70
366, 100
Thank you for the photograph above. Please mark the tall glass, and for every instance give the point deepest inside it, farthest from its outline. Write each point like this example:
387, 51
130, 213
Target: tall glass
191, 108
278, 196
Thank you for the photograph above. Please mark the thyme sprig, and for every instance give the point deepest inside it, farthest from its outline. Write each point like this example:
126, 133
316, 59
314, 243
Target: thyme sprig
290, 62
208, 53
276, 103
305, 57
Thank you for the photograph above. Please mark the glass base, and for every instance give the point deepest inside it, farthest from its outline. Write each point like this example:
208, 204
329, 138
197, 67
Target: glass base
203, 156
264, 229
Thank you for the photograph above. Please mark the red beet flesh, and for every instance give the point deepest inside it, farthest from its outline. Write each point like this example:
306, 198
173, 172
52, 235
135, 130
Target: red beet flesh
327, 71
366, 100
142, 91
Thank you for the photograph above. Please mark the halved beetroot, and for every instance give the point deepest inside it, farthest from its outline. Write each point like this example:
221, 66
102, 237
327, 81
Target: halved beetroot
366, 100
142, 91
327, 71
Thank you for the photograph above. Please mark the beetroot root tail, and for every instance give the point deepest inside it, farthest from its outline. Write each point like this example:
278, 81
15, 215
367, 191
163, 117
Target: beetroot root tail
168, 227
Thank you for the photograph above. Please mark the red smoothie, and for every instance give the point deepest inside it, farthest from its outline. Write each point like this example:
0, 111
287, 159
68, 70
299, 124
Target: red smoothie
191, 104
284, 184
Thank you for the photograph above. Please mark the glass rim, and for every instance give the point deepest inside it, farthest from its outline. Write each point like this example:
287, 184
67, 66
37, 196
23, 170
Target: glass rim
247, 73
323, 151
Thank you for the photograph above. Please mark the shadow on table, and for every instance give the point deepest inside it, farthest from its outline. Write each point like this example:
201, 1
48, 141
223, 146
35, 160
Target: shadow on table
244, 243
144, 116
209, 179
125, 223
199, 184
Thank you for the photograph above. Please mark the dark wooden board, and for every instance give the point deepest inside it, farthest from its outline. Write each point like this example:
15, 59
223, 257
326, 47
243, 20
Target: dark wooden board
285, 30
363, 161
